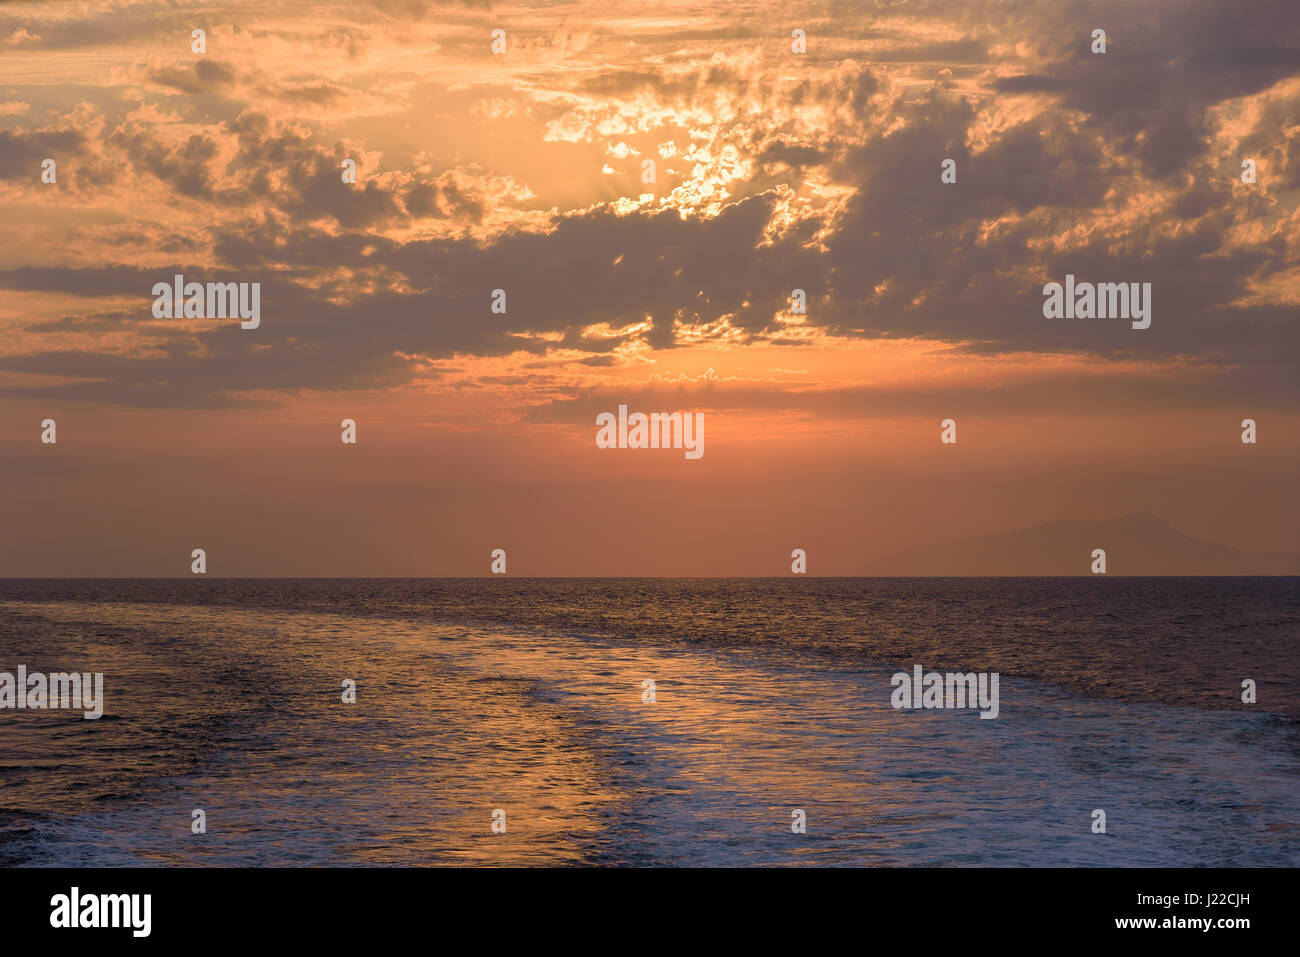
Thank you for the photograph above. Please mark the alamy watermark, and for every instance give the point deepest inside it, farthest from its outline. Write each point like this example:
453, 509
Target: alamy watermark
37, 691
656, 430
1105, 300
214, 300
74, 909
951, 690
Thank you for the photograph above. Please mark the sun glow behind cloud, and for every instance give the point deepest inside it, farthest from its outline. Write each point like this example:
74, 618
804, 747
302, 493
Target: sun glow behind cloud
774, 171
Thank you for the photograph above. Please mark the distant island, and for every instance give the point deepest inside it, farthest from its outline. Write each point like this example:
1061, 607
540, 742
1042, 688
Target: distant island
1136, 544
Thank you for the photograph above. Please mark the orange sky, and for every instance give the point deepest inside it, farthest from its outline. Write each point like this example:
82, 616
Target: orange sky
775, 170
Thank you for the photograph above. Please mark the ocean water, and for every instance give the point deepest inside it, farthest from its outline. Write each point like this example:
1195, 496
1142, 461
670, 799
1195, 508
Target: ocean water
771, 696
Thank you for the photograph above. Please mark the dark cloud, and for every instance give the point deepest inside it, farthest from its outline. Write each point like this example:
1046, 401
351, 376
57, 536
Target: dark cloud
419, 9
780, 151
1065, 191
202, 76
21, 153
130, 22
77, 167
1164, 66
1134, 391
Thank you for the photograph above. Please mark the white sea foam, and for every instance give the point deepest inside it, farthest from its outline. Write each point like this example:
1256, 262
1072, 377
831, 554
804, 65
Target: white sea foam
452, 722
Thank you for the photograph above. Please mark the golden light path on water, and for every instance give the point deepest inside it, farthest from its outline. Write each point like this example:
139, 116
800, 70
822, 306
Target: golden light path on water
453, 723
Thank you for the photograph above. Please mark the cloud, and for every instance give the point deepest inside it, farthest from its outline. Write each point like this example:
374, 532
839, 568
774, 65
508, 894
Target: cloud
779, 172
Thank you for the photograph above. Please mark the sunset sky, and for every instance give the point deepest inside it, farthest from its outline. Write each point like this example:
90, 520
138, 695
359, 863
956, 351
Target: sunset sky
522, 171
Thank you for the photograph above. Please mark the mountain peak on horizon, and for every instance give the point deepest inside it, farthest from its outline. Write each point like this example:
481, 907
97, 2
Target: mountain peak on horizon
1137, 543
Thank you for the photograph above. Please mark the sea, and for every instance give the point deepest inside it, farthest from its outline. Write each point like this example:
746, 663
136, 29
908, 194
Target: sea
654, 722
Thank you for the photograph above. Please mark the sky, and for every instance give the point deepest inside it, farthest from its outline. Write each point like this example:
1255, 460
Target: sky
775, 169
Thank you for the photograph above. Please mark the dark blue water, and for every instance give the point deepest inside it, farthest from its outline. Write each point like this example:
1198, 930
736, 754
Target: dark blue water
771, 696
